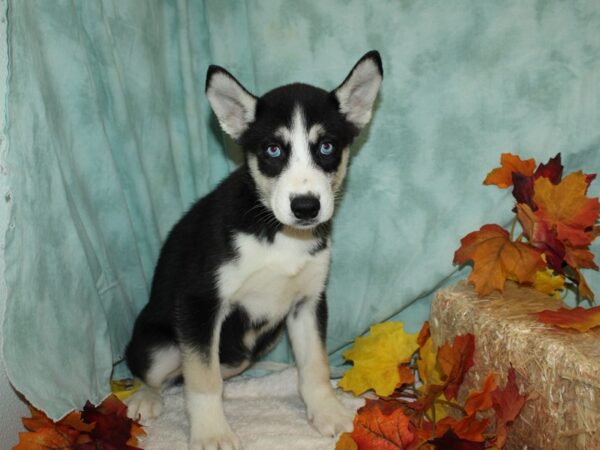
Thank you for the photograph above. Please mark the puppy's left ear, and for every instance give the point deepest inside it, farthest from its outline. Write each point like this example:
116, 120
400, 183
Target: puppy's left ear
358, 91
234, 106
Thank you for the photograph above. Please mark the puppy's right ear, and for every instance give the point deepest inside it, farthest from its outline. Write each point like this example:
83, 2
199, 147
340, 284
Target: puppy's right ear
234, 106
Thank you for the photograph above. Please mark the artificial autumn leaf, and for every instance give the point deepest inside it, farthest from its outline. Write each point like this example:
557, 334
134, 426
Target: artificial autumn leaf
507, 403
552, 170
45, 433
584, 290
580, 258
495, 256
380, 427
509, 164
549, 283
405, 375
481, 400
376, 359
523, 184
455, 361
113, 427
429, 369
345, 442
468, 428
450, 441
541, 236
579, 318
44, 439
566, 208
424, 334
432, 402
104, 427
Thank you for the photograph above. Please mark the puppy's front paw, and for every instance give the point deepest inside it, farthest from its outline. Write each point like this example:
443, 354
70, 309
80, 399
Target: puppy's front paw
222, 441
330, 417
144, 404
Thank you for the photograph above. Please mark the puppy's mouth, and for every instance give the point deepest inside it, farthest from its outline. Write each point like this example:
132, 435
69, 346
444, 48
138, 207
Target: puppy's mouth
306, 224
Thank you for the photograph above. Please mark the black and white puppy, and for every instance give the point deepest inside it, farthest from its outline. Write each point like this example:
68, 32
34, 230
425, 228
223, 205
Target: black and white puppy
253, 255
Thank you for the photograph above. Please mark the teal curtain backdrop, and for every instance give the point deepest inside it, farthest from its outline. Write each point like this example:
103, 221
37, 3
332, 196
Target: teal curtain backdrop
111, 139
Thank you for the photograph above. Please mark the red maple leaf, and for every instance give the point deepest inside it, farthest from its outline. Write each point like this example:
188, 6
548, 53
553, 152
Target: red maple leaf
382, 425
455, 361
450, 441
113, 428
579, 318
541, 236
507, 403
524, 184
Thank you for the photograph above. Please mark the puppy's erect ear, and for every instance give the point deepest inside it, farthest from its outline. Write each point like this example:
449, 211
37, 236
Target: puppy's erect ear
232, 103
358, 91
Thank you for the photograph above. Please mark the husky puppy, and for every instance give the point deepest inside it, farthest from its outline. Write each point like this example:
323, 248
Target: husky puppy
252, 256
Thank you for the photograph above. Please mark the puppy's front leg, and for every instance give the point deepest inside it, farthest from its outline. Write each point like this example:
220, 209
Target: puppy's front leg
307, 329
209, 429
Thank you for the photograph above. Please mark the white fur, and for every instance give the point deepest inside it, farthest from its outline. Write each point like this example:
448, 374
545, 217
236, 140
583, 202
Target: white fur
357, 94
146, 403
233, 105
268, 278
209, 428
166, 364
324, 410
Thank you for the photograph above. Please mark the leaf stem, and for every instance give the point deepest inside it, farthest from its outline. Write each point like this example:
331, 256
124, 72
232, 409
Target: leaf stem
452, 405
512, 227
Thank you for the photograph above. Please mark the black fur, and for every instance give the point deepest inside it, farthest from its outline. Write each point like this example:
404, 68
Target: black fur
276, 107
184, 302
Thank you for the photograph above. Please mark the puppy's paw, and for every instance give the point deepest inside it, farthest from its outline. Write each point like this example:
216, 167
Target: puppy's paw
330, 417
144, 404
222, 441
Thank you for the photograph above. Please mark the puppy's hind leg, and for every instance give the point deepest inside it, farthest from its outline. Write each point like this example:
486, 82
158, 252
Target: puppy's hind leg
146, 402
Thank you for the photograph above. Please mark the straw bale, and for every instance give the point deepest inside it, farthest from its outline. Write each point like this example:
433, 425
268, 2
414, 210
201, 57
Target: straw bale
560, 369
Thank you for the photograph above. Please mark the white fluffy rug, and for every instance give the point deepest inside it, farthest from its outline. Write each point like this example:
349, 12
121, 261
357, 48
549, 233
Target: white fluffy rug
266, 413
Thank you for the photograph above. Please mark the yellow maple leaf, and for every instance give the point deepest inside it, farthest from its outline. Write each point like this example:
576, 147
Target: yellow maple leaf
377, 357
547, 282
429, 369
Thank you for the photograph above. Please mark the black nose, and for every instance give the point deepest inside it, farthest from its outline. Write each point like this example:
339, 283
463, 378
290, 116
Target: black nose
305, 206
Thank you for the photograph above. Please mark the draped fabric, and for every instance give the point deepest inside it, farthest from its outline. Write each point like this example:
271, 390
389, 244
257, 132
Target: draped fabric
111, 139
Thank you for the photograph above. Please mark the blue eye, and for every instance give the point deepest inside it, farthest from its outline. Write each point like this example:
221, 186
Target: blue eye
273, 151
326, 148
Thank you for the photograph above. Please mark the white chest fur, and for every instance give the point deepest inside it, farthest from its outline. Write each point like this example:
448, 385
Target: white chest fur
268, 278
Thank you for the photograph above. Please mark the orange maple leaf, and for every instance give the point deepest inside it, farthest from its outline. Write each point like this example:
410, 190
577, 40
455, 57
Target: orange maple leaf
566, 208
345, 442
584, 290
495, 257
509, 163
580, 257
481, 400
507, 403
579, 318
381, 425
44, 439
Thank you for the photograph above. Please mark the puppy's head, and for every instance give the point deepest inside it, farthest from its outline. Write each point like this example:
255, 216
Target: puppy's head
296, 138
